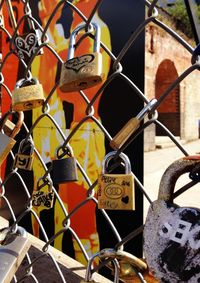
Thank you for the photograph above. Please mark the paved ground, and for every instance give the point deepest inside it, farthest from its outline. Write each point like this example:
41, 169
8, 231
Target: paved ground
155, 163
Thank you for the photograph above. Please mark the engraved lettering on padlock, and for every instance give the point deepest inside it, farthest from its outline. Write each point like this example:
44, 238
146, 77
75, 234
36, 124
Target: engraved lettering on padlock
27, 44
64, 168
28, 94
24, 157
116, 191
7, 142
171, 232
85, 71
44, 195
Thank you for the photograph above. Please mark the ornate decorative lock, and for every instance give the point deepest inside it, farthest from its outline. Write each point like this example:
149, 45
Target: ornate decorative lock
64, 170
12, 251
172, 233
85, 71
24, 157
116, 191
26, 44
7, 141
28, 94
128, 264
44, 195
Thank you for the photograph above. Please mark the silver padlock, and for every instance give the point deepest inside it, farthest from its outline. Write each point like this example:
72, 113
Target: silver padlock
85, 71
116, 191
12, 251
7, 142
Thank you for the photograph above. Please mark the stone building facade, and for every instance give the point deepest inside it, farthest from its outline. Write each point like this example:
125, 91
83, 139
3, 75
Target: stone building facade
165, 60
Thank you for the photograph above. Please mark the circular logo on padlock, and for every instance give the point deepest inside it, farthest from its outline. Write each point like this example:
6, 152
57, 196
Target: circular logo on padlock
114, 191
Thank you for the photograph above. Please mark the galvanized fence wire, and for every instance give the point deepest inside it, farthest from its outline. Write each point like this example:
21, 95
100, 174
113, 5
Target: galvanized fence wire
117, 71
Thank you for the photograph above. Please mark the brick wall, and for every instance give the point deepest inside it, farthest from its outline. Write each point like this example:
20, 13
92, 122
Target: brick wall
165, 59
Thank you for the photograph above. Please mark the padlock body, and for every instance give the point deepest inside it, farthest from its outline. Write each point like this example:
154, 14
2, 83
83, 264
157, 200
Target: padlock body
64, 170
6, 144
81, 72
43, 198
116, 192
8, 127
27, 97
172, 242
23, 161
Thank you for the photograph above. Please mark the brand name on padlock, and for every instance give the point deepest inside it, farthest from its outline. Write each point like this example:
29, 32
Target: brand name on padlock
114, 191
181, 232
78, 63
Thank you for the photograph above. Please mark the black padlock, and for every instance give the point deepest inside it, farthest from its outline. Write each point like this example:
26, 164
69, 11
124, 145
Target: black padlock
172, 233
64, 170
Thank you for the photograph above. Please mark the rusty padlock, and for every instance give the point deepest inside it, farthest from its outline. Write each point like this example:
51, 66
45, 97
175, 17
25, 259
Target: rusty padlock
64, 170
12, 251
129, 265
172, 233
7, 142
28, 94
44, 195
24, 157
116, 191
85, 71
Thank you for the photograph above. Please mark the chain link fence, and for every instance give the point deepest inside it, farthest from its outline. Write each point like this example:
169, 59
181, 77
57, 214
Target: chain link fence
28, 49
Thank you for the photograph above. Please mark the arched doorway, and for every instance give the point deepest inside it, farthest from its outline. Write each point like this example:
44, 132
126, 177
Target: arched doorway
169, 110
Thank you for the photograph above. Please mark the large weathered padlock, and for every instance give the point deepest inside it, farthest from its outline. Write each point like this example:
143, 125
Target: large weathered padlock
44, 195
7, 142
28, 94
116, 191
85, 71
24, 157
172, 233
12, 252
64, 170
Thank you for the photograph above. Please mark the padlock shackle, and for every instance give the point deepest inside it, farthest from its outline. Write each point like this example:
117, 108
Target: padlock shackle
111, 155
172, 173
18, 125
72, 41
21, 82
123, 257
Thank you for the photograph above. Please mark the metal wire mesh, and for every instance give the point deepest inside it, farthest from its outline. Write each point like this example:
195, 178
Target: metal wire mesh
49, 112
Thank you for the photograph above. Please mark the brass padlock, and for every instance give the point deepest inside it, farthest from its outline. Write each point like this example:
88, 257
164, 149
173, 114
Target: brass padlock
64, 170
131, 126
28, 94
128, 264
7, 142
44, 195
24, 157
85, 71
116, 191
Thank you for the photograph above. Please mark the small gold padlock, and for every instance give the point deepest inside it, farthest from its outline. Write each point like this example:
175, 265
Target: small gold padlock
28, 94
85, 71
7, 141
116, 191
44, 195
24, 157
